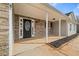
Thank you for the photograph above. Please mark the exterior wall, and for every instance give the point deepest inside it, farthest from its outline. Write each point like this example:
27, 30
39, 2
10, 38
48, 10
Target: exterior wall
39, 28
73, 29
77, 28
63, 28
16, 27
72, 17
4, 29
56, 28
72, 26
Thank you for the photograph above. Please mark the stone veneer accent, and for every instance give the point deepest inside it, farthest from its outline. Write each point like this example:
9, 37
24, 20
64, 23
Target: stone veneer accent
39, 28
4, 51
16, 27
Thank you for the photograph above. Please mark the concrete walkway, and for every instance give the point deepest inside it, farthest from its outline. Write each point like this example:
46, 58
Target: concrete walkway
69, 49
72, 48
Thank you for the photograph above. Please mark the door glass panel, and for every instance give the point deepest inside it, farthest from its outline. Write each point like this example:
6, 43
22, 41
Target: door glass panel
27, 26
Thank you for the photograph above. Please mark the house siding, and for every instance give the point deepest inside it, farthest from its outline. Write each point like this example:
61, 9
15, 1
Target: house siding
4, 29
56, 28
72, 24
64, 28
40, 28
73, 29
16, 27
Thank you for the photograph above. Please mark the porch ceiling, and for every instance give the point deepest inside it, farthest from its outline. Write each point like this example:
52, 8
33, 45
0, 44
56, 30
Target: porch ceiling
37, 10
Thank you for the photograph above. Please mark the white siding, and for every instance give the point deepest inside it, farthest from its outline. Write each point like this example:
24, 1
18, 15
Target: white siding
73, 29
63, 28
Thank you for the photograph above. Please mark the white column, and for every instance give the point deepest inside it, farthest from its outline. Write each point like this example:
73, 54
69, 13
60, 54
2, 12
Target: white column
46, 27
59, 27
10, 29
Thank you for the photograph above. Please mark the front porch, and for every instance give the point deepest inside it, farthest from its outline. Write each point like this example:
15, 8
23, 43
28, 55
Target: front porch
39, 27
44, 27
55, 32
38, 40
31, 43
69, 49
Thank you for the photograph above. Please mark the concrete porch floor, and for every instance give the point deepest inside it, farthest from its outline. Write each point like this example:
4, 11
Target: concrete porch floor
71, 48
30, 43
38, 40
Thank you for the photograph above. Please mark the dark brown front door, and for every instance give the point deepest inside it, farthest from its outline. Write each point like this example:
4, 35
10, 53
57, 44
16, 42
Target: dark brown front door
26, 28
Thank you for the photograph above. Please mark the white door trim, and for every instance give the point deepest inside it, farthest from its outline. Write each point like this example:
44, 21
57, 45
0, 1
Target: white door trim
33, 28
21, 27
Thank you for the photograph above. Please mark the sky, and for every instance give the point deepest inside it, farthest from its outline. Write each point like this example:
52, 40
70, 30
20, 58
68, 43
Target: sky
67, 7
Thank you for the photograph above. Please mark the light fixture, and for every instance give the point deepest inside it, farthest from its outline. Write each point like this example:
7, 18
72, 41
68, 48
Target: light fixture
53, 18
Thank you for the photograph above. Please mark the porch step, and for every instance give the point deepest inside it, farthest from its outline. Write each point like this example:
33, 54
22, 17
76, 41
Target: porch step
62, 41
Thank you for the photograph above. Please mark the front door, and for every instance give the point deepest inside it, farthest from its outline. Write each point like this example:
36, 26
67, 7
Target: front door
26, 28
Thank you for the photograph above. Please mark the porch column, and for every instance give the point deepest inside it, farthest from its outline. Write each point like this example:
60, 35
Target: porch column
10, 29
46, 27
59, 27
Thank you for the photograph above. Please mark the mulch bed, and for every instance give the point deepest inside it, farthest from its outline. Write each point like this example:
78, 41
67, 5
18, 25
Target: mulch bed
62, 41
